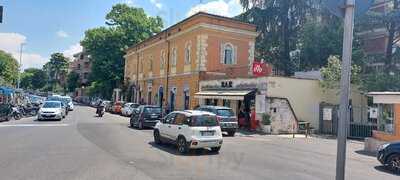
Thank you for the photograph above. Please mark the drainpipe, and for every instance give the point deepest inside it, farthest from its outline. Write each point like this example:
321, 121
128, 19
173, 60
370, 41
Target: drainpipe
137, 76
167, 73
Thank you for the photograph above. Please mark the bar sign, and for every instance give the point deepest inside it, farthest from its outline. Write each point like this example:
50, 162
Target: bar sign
1, 14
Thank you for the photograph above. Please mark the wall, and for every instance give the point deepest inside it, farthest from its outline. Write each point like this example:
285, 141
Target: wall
305, 96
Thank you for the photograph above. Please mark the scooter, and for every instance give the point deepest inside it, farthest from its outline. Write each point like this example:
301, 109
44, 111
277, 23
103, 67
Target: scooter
16, 113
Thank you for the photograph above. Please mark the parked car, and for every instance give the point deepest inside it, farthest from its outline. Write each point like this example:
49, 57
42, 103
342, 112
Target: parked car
64, 102
117, 106
107, 105
225, 116
146, 116
189, 130
129, 108
52, 110
389, 155
68, 101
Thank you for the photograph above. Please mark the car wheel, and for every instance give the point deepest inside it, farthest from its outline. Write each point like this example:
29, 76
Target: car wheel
157, 138
215, 149
231, 133
394, 163
182, 145
140, 126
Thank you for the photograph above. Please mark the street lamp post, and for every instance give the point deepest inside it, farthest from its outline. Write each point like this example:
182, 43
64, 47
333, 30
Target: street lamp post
20, 66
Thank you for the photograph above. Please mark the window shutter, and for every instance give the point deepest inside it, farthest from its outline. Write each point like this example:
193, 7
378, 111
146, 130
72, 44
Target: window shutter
234, 54
222, 53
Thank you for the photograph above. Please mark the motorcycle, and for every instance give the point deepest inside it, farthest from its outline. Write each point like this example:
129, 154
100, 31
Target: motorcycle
100, 111
30, 110
16, 113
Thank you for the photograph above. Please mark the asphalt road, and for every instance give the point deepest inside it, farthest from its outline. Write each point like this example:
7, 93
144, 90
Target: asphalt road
85, 147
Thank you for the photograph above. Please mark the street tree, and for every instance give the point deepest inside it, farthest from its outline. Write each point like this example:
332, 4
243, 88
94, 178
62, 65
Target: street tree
332, 71
125, 26
57, 69
279, 23
8, 69
72, 81
33, 78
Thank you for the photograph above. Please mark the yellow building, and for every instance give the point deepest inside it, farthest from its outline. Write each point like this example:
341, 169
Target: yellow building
166, 68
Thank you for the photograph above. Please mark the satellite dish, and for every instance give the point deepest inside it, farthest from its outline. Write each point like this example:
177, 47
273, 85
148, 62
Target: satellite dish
336, 7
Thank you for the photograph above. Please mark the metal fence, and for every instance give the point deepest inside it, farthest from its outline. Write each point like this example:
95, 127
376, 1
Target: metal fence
360, 125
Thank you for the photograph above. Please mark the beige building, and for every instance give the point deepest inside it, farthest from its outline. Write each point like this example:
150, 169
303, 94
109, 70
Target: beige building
288, 100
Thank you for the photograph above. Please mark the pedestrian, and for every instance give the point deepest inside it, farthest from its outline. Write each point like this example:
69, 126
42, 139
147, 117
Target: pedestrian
253, 121
242, 118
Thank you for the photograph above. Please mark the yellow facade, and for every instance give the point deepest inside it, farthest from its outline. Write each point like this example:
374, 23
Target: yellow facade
182, 55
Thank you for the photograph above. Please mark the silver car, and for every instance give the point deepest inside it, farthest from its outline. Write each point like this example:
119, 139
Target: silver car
51, 110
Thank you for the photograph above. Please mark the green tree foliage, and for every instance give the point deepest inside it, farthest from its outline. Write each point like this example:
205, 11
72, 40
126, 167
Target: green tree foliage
57, 69
33, 78
72, 81
8, 69
331, 74
126, 26
279, 23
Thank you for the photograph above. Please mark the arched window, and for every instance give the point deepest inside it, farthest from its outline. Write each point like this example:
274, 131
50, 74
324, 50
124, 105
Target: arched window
151, 63
187, 52
228, 54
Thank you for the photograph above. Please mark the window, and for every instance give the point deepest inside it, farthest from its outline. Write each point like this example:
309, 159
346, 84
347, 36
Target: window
180, 119
162, 59
226, 103
85, 75
386, 118
187, 53
86, 64
174, 57
170, 118
79, 66
228, 54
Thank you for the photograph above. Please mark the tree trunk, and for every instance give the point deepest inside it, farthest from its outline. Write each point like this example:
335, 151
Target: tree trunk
285, 49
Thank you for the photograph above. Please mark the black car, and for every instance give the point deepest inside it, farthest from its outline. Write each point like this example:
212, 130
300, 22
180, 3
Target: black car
226, 117
146, 116
389, 156
5, 112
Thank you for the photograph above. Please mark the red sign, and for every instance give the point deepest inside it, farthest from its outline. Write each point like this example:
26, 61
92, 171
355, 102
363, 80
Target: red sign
261, 69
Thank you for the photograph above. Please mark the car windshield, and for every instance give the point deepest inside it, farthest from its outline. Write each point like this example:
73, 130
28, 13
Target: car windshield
152, 110
52, 105
134, 105
204, 120
225, 112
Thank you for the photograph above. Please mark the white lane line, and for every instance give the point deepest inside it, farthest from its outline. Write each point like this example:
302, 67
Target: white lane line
33, 125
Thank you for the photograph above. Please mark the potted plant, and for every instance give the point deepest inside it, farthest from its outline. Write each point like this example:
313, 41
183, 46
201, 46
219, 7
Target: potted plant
266, 121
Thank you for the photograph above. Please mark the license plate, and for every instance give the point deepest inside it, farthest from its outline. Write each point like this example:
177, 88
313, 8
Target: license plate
207, 133
155, 116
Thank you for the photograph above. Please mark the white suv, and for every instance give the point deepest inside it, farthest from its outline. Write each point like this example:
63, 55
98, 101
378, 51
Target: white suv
189, 130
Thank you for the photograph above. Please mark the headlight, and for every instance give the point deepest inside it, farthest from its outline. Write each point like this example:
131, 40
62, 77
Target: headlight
383, 146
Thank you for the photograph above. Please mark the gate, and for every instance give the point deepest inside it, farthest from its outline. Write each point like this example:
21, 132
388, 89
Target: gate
360, 126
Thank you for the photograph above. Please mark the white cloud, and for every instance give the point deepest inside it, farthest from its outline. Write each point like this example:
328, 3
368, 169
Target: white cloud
11, 43
62, 34
156, 3
72, 50
227, 8
128, 2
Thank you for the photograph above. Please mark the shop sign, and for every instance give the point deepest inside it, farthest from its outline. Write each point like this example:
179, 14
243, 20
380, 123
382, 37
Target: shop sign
373, 113
261, 69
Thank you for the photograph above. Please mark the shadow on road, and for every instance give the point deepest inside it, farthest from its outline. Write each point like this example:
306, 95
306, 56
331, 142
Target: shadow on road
385, 170
366, 153
170, 148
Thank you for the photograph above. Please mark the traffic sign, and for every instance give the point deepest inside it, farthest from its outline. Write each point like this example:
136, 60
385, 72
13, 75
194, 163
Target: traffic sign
336, 7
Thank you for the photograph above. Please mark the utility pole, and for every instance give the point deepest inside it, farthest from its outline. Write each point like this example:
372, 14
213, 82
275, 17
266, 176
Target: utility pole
344, 114
20, 66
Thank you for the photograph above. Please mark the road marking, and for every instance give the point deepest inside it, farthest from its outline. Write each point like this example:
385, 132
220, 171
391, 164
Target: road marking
33, 125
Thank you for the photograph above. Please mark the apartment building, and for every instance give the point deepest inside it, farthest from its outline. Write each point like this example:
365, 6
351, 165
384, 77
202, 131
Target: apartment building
81, 65
166, 68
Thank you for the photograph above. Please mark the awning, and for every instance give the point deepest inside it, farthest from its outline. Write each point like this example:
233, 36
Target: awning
6, 91
229, 95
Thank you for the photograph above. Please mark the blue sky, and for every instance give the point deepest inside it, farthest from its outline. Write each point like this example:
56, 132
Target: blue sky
48, 26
